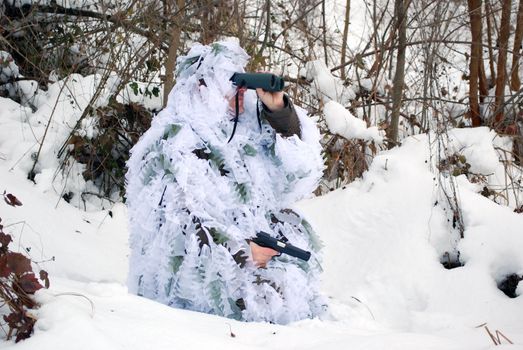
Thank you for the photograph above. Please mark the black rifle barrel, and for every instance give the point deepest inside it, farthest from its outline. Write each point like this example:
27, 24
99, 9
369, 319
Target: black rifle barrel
266, 81
263, 239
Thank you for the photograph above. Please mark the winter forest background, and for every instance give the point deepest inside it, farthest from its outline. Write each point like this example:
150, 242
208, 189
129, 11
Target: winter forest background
420, 207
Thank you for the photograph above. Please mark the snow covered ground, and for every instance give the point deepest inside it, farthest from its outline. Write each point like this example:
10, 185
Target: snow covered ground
383, 235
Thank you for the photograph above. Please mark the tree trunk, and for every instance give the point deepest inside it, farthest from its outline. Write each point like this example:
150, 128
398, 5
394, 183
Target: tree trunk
170, 62
324, 32
400, 13
267, 28
504, 32
483, 83
515, 83
488, 15
475, 57
345, 35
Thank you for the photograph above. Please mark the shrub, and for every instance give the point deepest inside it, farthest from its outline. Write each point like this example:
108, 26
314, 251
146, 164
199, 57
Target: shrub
18, 283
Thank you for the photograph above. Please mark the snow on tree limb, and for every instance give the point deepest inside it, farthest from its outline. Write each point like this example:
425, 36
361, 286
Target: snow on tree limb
340, 121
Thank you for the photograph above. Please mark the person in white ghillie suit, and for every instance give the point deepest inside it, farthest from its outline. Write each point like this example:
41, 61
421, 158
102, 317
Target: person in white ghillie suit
195, 200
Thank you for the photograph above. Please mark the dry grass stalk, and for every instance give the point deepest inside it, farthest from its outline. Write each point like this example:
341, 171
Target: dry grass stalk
496, 339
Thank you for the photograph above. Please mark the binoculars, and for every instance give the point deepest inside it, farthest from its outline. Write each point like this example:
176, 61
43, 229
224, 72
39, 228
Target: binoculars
266, 81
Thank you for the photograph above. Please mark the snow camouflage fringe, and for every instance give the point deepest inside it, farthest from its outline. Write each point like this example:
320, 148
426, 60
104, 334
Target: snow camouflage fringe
195, 199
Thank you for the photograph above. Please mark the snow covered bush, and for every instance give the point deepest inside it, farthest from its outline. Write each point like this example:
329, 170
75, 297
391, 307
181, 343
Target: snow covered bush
340, 121
325, 85
8, 68
103, 144
9, 73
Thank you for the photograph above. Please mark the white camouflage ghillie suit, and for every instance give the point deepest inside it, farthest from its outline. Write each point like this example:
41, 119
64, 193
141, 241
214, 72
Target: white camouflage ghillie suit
195, 200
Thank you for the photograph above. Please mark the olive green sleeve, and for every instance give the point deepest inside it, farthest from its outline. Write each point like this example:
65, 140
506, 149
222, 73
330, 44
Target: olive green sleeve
285, 121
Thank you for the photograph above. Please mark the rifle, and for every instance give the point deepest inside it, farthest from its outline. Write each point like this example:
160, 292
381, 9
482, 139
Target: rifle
265, 81
263, 239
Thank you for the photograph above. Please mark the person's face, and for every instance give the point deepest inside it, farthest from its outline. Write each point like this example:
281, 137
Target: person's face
232, 100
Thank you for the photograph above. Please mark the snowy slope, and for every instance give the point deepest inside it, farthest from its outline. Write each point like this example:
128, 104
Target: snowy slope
383, 237
387, 233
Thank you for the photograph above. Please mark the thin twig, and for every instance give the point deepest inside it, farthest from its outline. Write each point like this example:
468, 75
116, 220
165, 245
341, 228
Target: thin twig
498, 334
78, 295
491, 335
31, 174
359, 301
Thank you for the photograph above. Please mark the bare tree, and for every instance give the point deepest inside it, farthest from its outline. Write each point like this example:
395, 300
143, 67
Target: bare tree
174, 46
345, 36
504, 33
488, 15
400, 13
475, 59
515, 82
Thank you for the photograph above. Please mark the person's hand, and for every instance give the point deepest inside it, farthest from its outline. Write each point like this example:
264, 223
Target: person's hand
273, 100
261, 255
